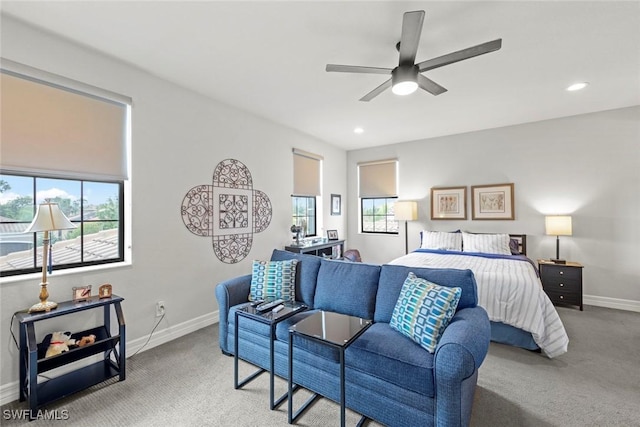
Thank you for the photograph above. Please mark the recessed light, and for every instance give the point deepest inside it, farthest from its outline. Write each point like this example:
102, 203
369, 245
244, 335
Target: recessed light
577, 86
358, 130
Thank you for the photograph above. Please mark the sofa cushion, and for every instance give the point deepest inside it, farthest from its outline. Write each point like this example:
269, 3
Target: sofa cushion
347, 288
424, 310
384, 353
392, 278
306, 273
273, 279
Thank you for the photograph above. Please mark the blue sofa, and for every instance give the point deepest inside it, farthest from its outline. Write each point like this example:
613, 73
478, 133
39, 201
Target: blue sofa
389, 378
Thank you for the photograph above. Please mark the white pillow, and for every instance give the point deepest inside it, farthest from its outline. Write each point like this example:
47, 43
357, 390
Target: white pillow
486, 243
441, 240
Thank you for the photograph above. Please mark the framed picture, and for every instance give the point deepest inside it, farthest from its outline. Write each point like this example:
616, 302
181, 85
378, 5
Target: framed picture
336, 204
81, 293
332, 234
104, 291
492, 201
449, 203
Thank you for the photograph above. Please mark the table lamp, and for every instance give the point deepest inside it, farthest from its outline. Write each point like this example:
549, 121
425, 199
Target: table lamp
558, 225
48, 218
406, 211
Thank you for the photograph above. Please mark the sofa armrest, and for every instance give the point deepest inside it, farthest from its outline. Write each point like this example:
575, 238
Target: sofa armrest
229, 293
460, 352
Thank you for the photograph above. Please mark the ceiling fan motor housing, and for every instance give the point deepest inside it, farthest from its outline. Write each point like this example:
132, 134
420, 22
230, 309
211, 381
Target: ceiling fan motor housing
404, 79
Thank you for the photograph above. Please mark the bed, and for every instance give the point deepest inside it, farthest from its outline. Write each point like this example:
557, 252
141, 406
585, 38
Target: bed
509, 288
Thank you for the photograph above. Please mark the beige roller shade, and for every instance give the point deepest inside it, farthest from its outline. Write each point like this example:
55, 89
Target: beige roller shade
378, 179
49, 129
306, 173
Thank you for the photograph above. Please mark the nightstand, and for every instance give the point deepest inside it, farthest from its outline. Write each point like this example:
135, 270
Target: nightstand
562, 282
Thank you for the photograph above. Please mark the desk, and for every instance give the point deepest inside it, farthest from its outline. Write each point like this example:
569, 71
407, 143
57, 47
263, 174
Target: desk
329, 248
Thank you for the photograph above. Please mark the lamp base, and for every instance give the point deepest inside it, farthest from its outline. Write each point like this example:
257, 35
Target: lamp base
558, 261
43, 306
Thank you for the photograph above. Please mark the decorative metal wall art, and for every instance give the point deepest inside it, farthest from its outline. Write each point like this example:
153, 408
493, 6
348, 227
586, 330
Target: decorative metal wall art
230, 211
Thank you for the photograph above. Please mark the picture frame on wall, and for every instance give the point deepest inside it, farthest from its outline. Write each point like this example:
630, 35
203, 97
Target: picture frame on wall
493, 202
336, 204
449, 202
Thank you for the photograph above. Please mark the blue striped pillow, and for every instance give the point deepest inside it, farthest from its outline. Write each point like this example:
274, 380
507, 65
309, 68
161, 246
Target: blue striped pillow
273, 280
424, 310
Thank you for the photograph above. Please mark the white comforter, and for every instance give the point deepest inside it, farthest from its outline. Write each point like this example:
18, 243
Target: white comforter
510, 292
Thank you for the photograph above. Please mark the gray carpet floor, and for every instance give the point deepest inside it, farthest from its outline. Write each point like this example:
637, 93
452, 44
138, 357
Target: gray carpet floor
188, 382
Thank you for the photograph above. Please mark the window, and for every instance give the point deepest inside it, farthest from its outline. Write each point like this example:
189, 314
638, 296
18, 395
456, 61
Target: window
377, 189
304, 214
93, 206
307, 178
378, 215
66, 142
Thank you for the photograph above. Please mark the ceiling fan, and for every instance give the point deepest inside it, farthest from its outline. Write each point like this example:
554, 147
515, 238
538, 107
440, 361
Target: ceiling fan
407, 77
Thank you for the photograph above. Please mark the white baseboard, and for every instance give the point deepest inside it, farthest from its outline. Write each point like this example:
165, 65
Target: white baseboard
9, 392
619, 304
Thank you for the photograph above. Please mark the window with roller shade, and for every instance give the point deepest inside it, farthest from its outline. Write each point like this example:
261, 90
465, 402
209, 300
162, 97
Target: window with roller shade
307, 178
377, 190
66, 142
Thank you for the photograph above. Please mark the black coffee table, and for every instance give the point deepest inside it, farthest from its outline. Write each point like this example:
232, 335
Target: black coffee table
272, 319
328, 328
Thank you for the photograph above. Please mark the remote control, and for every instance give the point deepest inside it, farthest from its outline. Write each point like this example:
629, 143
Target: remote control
256, 302
278, 308
269, 305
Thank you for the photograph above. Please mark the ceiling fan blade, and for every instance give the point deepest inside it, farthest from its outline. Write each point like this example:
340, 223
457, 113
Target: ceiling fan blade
377, 91
460, 55
411, 30
357, 69
430, 86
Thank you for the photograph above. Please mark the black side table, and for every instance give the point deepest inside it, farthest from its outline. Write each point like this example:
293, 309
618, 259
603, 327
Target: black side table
272, 319
335, 330
562, 282
33, 361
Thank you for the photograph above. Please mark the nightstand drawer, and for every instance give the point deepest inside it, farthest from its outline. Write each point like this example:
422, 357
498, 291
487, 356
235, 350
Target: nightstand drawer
561, 284
573, 298
559, 272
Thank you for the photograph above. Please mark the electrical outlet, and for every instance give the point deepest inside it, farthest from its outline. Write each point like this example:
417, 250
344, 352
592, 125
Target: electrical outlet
160, 308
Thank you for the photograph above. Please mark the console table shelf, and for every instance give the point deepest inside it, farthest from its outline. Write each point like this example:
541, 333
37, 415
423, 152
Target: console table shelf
33, 361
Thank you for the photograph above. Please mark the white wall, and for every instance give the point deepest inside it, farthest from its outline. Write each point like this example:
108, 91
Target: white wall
587, 166
178, 139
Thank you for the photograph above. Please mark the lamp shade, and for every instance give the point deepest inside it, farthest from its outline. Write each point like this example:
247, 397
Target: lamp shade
49, 217
406, 211
558, 225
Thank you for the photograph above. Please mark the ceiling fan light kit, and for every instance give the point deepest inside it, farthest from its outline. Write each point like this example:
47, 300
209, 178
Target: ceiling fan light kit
404, 80
407, 77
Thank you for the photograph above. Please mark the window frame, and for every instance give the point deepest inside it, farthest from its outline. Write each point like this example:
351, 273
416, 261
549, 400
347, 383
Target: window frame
388, 214
80, 223
295, 217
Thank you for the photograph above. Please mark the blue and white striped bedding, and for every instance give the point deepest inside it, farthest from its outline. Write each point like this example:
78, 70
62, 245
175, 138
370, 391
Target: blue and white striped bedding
508, 289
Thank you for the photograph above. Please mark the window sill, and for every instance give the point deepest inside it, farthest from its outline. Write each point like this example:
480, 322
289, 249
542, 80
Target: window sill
65, 272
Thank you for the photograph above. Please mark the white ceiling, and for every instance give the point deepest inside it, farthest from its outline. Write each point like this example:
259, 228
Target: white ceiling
269, 57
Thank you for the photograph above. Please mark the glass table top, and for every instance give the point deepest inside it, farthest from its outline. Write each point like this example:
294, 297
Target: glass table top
332, 327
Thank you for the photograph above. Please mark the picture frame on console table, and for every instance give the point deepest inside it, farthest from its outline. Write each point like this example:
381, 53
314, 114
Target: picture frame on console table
449, 203
332, 234
495, 201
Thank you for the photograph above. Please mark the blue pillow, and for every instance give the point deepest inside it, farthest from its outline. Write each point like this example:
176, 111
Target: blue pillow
424, 310
273, 280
